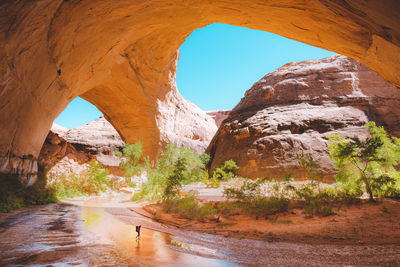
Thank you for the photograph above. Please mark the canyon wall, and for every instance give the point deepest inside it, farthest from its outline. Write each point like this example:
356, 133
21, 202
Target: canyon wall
121, 56
292, 110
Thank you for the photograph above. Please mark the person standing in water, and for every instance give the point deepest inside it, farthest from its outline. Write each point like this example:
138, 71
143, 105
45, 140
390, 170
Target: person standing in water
138, 231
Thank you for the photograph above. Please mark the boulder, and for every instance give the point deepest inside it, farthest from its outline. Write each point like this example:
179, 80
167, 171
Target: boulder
292, 110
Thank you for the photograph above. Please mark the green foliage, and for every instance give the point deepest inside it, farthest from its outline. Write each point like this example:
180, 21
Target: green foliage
91, 182
131, 155
265, 207
261, 198
225, 208
349, 191
175, 179
176, 167
372, 161
226, 171
205, 158
249, 191
210, 181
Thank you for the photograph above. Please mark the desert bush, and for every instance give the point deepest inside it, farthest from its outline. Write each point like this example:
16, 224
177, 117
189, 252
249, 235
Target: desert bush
188, 207
265, 206
210, 181
249, 191
251, 199
316, 202
348, 192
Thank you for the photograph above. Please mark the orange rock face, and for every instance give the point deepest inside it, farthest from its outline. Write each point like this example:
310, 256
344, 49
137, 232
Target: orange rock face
290, 112
121, 56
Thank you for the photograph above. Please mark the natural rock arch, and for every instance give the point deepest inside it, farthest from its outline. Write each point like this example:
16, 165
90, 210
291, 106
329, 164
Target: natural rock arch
121, 56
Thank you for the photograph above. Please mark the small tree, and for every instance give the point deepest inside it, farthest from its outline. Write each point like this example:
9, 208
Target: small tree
372, 161
174, 181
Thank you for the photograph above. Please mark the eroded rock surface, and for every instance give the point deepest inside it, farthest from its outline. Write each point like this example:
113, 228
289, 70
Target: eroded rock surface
99, 138
291, 111
121, 56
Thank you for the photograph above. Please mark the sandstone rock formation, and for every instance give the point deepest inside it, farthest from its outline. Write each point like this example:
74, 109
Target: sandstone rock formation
218, 115
121, 56
56, 148
99, 138
291, 110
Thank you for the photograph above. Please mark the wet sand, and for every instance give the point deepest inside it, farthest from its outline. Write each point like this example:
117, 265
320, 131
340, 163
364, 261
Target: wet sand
101, 233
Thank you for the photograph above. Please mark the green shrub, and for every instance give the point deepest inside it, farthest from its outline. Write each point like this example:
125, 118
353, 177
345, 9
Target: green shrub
249, 191
318, 203
348, 192
226, 171
210, 181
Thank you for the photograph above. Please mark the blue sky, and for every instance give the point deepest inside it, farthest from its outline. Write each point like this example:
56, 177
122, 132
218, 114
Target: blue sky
217, 64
